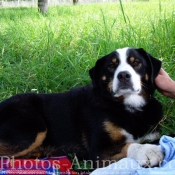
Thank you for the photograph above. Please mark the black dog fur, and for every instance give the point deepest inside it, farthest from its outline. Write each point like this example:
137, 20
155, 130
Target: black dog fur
73, 122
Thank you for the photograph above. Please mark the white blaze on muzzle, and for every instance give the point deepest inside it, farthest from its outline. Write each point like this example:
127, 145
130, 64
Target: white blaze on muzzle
131, 81
127, 82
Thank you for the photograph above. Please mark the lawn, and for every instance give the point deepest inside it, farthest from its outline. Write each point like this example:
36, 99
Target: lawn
53, 53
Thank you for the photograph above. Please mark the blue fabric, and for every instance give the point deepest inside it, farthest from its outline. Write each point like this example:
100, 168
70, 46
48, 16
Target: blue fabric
128, 166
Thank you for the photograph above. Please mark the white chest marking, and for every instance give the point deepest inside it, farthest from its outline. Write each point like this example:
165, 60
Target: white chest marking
150, 137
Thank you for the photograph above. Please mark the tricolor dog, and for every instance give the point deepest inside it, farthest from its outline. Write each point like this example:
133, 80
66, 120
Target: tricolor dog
106, 120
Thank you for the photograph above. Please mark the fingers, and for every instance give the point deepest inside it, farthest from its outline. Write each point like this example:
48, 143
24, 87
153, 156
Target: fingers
163, 73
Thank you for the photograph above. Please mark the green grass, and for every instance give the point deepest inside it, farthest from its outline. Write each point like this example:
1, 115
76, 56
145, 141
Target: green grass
53, 53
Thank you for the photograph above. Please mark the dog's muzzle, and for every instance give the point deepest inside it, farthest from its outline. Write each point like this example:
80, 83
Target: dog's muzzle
124, 76
124, 85
124, 80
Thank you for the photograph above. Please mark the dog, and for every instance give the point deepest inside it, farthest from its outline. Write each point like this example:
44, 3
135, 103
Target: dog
106, 120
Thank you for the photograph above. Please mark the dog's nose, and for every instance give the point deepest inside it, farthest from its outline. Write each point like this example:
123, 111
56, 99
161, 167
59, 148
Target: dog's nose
124, 76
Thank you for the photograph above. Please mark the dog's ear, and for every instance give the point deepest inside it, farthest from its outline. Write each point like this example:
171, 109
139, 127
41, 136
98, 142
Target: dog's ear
96, 70
155, 66
153, 63
91, 73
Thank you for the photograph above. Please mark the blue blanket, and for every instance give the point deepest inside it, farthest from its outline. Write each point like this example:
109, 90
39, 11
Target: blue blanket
128, 166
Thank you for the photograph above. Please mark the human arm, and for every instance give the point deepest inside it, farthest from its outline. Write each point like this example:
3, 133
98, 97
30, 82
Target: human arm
165, 84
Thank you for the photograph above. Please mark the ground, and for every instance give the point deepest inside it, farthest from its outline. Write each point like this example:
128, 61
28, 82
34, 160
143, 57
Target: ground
53, 53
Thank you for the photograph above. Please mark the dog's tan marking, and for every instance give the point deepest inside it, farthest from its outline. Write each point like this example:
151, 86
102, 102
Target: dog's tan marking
123, 152
115, 61
120, 98
132, 59
103, 77
139, 66
144, 93
113, 131
146, 77
38, 141
36, 154
110, 85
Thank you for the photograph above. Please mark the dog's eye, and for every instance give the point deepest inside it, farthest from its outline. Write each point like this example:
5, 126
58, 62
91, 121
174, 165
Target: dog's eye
111, 67
135, 63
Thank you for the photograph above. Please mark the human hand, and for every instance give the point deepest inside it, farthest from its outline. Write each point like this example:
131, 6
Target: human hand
165, 84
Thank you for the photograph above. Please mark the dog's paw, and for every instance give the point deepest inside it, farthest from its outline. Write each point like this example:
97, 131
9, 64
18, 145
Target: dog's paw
146, 155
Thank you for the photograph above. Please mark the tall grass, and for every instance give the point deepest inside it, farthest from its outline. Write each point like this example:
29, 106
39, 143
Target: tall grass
53, 53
